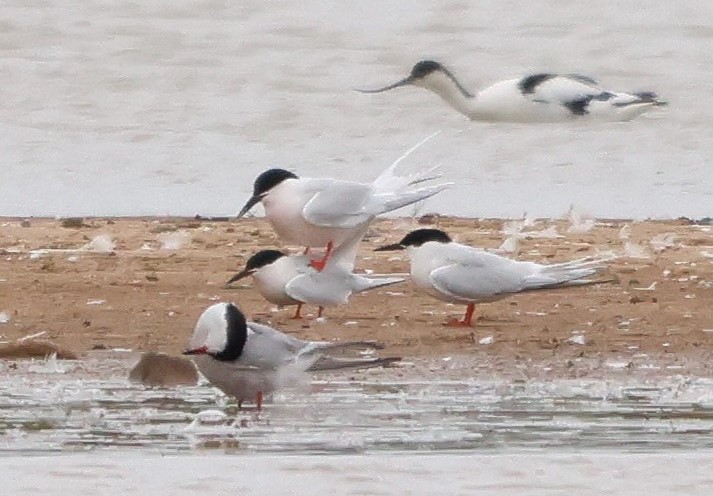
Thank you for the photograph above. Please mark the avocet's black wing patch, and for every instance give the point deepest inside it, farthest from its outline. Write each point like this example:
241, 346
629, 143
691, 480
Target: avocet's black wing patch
528, 84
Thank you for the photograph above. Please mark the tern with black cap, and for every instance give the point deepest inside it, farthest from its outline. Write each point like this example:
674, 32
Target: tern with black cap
291, 280
324, 212
457, 273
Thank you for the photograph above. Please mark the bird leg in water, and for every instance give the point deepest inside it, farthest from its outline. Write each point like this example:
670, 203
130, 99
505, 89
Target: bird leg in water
258, 399
467, 318
319, 264
297, 312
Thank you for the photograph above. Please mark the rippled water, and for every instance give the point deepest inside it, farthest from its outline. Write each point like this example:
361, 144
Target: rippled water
67, 406
625, 433
120, 107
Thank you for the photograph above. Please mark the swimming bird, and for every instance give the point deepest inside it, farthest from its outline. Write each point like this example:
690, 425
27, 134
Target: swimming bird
325, 212
291, 280
248, 360
457, 273
542, 97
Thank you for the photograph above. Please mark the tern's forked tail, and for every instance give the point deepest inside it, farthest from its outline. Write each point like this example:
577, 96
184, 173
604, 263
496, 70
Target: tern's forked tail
573, 273
361, 283
332, 363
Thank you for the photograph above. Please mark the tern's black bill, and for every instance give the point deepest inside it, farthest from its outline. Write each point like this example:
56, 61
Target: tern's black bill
403, 82
395, 246
240, 275
250, 204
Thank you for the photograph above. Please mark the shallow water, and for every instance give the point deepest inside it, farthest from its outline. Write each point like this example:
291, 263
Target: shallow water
125, 108
391, 429
68, 407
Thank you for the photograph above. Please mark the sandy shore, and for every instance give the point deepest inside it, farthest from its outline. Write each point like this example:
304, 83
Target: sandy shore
140, 283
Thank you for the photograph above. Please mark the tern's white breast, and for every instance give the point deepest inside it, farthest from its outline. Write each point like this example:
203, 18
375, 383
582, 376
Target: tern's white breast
424, 260
271, 280
284, 206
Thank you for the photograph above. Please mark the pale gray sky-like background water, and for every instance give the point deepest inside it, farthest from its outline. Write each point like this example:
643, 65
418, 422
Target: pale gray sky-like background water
127, 108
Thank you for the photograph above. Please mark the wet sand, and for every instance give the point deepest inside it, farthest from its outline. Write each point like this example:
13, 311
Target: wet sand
140, 283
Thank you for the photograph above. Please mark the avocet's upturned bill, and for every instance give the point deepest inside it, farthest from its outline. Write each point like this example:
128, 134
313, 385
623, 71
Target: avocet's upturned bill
246, 360
325, 212
291, 280
534, 98
457, 273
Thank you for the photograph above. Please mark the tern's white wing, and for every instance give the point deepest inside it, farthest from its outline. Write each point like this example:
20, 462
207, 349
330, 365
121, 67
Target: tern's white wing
267, 348
320, 288
340, 204
475, 275
484, 276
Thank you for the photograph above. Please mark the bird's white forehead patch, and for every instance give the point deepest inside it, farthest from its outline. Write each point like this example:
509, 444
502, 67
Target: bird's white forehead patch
211, 329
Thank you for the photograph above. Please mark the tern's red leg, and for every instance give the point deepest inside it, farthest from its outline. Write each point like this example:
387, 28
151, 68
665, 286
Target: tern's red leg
319, 264
319, 312
258, 399
297, 312
467, 318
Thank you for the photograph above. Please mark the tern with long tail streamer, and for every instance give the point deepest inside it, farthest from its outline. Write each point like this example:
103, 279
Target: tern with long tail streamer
324, 212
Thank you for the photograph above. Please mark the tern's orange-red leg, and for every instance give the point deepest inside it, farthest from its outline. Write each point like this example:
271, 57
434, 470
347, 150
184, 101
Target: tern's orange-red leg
319, 264
467, 318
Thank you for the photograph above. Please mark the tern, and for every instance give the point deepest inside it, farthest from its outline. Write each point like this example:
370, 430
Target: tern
457, 273
540, 97
325, 212
291, 280
247, 360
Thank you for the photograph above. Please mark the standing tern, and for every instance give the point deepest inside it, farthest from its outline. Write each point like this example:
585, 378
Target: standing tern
247, 360
540, 97
291, 280
457, 273
325, 212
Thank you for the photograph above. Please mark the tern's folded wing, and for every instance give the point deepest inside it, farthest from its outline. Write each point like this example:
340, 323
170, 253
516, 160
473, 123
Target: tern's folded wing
476, 282
319, 288
341, 204
267, 348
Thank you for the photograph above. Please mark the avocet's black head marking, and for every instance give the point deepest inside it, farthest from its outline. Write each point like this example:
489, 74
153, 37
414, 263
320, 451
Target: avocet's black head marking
417, 238
257, 261
424, 68
420, 71
236, 328
264, 183
528, 84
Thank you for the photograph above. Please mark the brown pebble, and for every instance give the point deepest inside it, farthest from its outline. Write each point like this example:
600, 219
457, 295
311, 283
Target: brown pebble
72, 222
35, 349
161, 370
